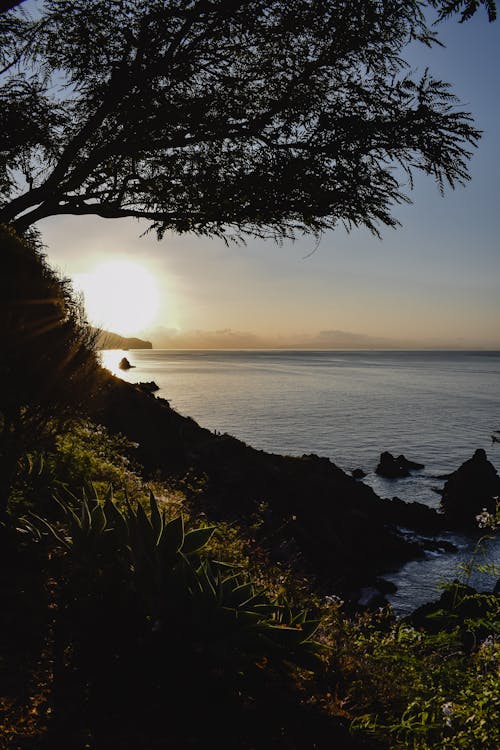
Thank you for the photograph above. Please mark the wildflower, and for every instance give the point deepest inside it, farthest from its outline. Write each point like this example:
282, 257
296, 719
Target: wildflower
333, 599
488, 649
486, 520
447, 709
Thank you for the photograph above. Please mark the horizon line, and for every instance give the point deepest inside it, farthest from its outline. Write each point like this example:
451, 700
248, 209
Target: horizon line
308, 349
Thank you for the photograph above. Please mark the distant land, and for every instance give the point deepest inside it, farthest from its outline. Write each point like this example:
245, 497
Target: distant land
228, 338
110, 340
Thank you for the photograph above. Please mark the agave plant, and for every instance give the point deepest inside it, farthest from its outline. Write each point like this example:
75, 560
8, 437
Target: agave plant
83, 532
182, 593
229, 609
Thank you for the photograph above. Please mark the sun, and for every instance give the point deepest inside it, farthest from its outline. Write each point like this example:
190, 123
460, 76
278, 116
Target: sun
120, 296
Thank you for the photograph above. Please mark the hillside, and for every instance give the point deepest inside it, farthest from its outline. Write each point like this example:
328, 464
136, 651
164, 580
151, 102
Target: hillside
110, 340
318, 517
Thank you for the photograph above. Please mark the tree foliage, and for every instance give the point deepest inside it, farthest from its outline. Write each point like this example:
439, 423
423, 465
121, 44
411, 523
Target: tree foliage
265, 117
466, 8
48, 358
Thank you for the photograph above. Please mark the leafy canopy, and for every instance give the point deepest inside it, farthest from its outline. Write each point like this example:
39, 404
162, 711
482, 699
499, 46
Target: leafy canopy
265, 117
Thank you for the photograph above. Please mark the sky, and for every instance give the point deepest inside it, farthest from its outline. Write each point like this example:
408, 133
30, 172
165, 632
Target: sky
434, 282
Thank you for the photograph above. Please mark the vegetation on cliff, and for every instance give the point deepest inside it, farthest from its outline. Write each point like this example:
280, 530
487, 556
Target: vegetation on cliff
132, 620
110, 340
48, 361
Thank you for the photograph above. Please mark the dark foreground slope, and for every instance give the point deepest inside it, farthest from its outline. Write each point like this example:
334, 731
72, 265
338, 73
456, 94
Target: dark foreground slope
313, 513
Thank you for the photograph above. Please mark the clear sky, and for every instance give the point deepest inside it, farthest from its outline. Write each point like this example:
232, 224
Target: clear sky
433, 282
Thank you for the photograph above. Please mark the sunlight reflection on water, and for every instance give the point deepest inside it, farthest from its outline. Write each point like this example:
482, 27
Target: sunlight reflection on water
435, 407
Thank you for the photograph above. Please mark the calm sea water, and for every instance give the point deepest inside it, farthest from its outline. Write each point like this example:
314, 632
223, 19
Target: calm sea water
435, 407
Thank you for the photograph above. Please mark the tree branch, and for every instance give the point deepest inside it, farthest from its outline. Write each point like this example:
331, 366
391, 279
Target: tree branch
84, 209
52, 184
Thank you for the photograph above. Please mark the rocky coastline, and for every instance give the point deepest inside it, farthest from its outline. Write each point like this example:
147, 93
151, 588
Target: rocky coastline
312, 515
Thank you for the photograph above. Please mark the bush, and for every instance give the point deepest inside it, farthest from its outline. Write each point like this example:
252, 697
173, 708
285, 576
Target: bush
144, 617
48, 358
80, 453
410, 688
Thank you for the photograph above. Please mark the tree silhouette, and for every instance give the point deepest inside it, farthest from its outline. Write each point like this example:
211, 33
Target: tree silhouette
466, 8
48, 365
215, 117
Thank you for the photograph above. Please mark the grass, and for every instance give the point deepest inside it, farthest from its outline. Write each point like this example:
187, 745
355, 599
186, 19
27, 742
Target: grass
393, 684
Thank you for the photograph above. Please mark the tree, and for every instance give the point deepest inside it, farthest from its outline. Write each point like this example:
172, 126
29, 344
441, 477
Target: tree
48, 364
266, 117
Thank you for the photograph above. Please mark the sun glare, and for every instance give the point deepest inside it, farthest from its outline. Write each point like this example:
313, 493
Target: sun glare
120, 296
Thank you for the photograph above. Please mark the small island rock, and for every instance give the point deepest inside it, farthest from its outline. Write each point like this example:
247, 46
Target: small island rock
124, 364
472, 488
394, 468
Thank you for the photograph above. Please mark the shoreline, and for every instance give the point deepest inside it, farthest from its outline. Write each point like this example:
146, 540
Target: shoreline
322, 521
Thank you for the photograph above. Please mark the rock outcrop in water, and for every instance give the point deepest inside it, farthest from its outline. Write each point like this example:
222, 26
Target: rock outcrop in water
149, 387
469, 490
124, 364
395, 468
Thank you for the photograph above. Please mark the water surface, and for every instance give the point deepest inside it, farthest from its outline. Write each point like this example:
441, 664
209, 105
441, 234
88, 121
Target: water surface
435, 407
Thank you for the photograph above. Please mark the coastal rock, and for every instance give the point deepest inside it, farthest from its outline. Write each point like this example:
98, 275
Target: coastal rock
358, 474
413, 517
459, 605
394, 468
369, 596
149, 387
411, 465
441, 546
124, 364
472, 488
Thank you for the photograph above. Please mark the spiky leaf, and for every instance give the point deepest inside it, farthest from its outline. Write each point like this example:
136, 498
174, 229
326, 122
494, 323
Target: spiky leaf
195, 540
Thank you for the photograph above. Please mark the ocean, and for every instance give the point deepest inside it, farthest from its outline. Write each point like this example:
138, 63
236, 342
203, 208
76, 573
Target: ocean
436, 407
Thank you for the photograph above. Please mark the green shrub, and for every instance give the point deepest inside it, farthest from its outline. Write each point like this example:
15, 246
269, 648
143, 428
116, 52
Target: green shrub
178, 590
144, 619
48, 360
79, 453
410, 688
